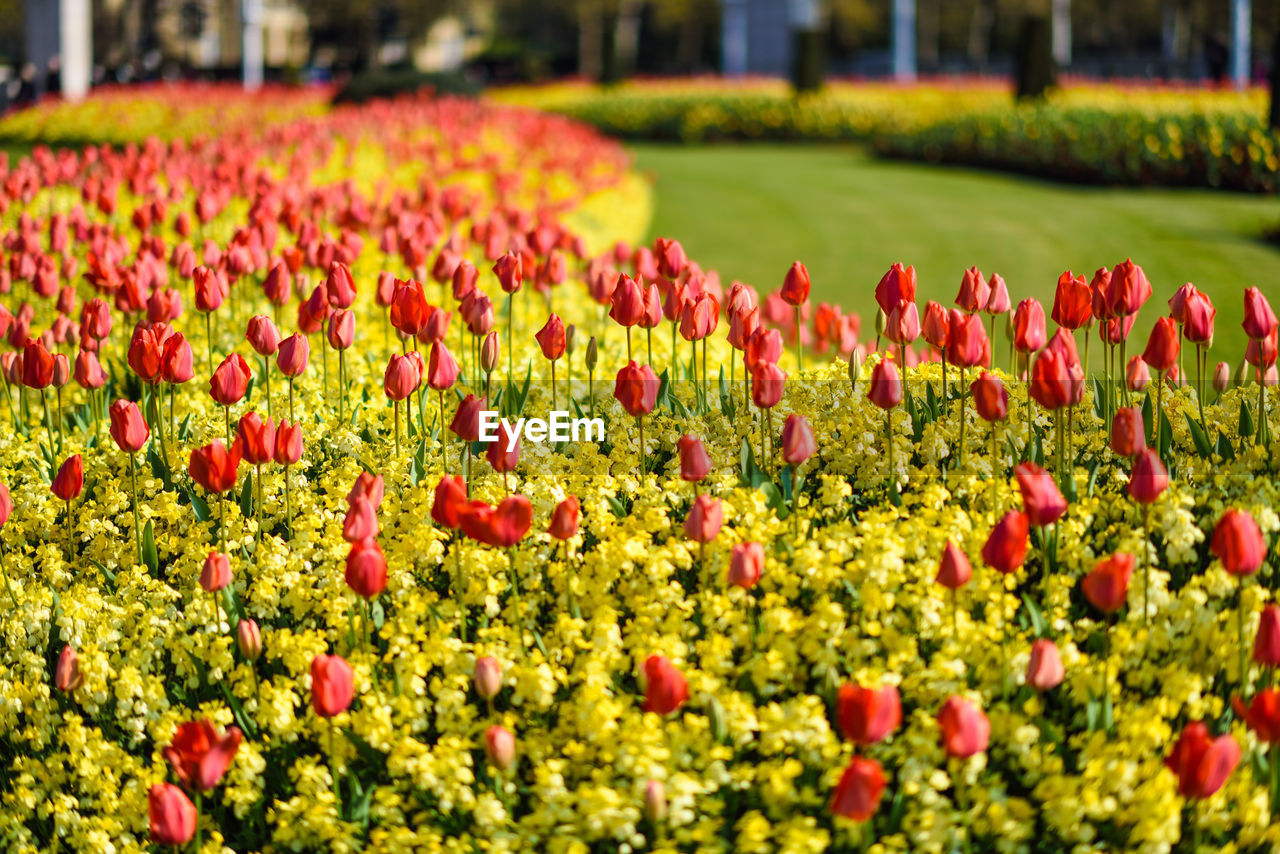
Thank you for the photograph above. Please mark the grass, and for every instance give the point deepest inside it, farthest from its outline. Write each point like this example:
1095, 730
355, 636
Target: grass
749, 211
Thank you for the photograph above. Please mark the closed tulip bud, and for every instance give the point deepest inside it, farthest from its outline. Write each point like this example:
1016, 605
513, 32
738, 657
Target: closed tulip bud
636, 388
230, 380
216, 572
487, 677
293, 355
128, 427
998, 301
795, 286
1161, 352
332, 687
968, 345
704, 519
746, 565
965, 729
1029, 334
61, 370
67, 677
1107, 584
366, 573
6, 504
903, 324
88, 371
288, 446
855, 369
954, 570
1242, 374
1221, 377
1137, 375
340, 287
144, 355
974, 291
564, 519
342, 329
1148, 478
1201, 763
489, 352
401, 377
886, 385
936, 327
466, 420
797, 440
990, 397
508, 269
1044, 668
172, 815
1259, 319
1072, 302
1041, 500
866, 715
500, 747
70, 479
882, 321
442, 370
1006, 547
1266, 644
551, 338
1238, 543
1128, 435
857, 794
570, 338
176, 361
694, 462
249, 639
898, 284
1198, 318
592, 354
210, 289
665, 688
262, 335
655, 801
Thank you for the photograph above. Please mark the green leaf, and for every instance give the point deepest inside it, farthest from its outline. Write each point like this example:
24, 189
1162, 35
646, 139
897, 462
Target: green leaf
1198, 438
106, 573
377, 614
246, 498
746, 462
716, 717
1099, 400
616, 506
199, 506
184, 429
237, 710
931, 400
664, 391
773, 495
1033, 612
1149, 421
1246, 422
368, 754
149, 556
1092, 712
1223, 448
1166, 435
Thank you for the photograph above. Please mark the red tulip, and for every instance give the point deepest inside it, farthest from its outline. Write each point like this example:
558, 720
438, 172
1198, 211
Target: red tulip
768, 382
1041, 500
706, 515
1238, 543
1006, 547
937, 326
262, 335
176, 363
288, 445
1137, 376
628, 307
857, 795
361, 521
70, 479
1129, 289
442, 370
200, 753
500, 458
671, 258
278, 284
67, 677
500, 746
256, 438
636, 388
564, 519
6, 504
652, 308
968, 345
339, 286
293, 355
144, 354
214, 467
1072, 302
885, 389
795, 286
1198, 317
746, 565
903, 323
332, 686
210, 289
694, 462
466, 420
1201, 763
974, 291
509, 273
342, 329
954, 570
764, 346
990, 397
998, 302
215, 574
401, 377
1029, 333
797, 440
173, 816
510, 521
1161, 352
1128, 436
465, 279
1259, 319
128, 427
450, 501
1044, 669
1107, 585
551, 338
230, 380
665, 688
1262, 714
366, 573
88, 371
1148, 477
1050, 384
965, 729
1266, 644
249, 639
895, 286
868, 715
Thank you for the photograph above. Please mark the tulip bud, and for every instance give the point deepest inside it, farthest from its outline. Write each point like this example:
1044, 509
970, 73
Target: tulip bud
500, 746
855, 368
489, 352
1242, 374
1221, 377
67, 677
655, 801
216, 573
1044, 669
487, 677
1266, 644
882, 321
570, 333
1137, 375
249, 639
61, 370
591, 354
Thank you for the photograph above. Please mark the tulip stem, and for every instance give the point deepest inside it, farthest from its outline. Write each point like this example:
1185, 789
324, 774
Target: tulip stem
1146, 568
962, 801
1155, 429
1106, 670
640, 450
944, 382
799, 348
342, 385
1263, 432
137, 528
705, 393
208, 337
648, 337
396, 406
199, 835
591, 390
292, 417
955, 615
511, 348
553, 385
888, 441
226, 412
1275, 780
960, 443
70, 530
1200, 385
173, 392
1244, 654
444, 447
257, 507
60, 437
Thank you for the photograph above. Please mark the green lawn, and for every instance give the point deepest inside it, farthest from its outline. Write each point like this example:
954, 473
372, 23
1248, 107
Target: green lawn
749, 211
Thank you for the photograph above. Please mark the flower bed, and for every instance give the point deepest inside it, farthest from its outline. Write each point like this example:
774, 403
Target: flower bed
805, 611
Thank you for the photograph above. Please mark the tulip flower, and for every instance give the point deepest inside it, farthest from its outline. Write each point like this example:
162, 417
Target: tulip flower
655, 801
249, 640
551, 338
857, 795
1128, 436
487, 679
795, 293
1041, 500
1239, 545
1202, 764
503, 453
965, 729
215, 468
67, 677
974, 291
401, 378
500, 747
66, 486
706, 515
287, 451
130, 432
665, 688
1044, 667
868, 715
694, 462
636, 388
885, 391
564, 519
936, 330
332, 687
199, 754
172, 815
257, 441
954, 572
797, 440
449, 501
746, 565
1266, 643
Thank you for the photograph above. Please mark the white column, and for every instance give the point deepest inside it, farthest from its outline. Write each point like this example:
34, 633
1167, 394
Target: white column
733, 37
75, 34
904, 40
251, 17
1240, 23
1062, 32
